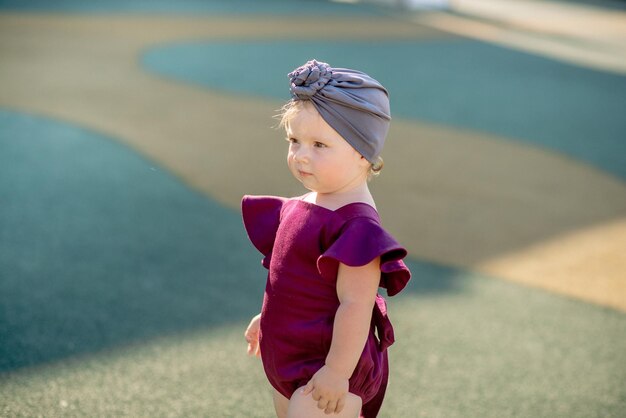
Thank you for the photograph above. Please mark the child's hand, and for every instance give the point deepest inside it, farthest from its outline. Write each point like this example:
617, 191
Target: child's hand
252, 336
329, 389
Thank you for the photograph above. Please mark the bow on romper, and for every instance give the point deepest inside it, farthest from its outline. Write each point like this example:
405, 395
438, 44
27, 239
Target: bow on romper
302, 244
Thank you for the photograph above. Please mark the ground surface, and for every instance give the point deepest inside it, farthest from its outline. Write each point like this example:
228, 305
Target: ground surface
130, 130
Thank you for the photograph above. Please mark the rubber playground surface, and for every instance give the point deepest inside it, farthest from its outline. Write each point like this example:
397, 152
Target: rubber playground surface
130, 130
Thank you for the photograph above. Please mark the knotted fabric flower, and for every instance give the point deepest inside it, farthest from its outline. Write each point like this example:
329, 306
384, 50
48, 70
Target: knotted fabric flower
309, 79
351, 102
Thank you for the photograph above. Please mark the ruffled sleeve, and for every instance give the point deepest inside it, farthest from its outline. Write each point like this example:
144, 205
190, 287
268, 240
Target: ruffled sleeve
261, 216
360, 241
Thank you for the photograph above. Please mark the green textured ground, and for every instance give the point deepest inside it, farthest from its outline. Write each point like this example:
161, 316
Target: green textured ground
125, 292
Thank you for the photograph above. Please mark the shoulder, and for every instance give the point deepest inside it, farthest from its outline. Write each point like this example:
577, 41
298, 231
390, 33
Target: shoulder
266, 210
357, 215
261, 217
362, 229
262, 201
359, 238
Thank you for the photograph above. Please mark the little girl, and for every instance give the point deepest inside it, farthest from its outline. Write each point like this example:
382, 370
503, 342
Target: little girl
323, 331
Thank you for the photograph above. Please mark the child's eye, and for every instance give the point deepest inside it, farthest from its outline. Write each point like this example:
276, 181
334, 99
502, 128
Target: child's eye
292, 140
319, 145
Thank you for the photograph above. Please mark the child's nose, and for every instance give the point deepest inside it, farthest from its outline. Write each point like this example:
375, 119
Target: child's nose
301, 154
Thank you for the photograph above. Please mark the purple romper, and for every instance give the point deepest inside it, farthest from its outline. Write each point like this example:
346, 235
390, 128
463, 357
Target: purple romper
302, 244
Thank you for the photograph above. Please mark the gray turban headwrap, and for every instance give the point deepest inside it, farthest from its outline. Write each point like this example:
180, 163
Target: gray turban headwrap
351, 102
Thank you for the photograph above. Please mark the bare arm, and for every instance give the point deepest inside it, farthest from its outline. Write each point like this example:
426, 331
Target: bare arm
356, 289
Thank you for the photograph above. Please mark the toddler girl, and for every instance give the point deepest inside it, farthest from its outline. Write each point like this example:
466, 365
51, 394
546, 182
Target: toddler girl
323, 331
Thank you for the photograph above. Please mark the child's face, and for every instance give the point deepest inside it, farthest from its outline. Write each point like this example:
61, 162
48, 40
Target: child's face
319, 157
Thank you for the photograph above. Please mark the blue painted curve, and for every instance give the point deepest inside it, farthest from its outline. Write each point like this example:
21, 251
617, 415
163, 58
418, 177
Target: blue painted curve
101, 247
461, 83
205, 7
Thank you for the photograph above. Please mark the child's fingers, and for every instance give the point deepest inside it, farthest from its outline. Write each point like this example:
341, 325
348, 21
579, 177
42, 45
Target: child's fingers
251, 335
331, 407
253, 342
340, 404
308, 388
322, 404
253, 348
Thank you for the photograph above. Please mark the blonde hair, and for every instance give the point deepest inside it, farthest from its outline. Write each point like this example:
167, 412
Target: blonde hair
375, 168
292, 107
287, 112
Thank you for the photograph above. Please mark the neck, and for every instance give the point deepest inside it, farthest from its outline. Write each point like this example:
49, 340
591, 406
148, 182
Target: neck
335, 200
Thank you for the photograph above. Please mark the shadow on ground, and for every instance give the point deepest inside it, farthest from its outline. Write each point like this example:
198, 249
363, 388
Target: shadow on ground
100, 248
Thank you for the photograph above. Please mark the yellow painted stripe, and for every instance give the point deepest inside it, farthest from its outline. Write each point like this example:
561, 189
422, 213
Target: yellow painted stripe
461, 198
574, 33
